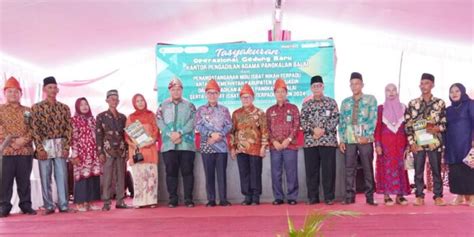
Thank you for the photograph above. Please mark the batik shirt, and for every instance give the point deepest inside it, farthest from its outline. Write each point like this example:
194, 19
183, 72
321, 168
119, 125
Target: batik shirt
176, 117
51, 121
357, 118
110, 135
211, 119
249, 130
320, 113
433, 111
283, 122
15, 120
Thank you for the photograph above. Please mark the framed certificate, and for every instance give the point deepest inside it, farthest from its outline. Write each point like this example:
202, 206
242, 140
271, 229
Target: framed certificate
137, 133
421, 135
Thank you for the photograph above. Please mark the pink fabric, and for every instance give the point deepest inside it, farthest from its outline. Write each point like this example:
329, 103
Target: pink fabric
393, 110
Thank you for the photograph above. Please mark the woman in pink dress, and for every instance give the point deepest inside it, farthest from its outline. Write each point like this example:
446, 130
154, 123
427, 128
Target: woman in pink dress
87, 167
390, 145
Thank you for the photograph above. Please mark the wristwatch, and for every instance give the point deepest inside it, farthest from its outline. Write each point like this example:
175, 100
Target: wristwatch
289, 139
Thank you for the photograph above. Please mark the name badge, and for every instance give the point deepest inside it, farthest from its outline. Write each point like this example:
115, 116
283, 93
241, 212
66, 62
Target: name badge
289, 118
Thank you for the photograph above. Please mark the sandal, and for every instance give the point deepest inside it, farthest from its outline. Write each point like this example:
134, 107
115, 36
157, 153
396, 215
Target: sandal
388, 201
401, 201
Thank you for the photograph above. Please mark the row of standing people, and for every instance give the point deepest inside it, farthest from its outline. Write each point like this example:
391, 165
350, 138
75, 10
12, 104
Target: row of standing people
251, 130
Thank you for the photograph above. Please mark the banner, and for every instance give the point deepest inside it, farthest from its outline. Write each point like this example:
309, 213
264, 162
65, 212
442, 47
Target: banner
233, 64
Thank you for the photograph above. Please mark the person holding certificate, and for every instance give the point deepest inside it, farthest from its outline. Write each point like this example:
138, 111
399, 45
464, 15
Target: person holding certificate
52, 133
425, 119
145, 172
356, 134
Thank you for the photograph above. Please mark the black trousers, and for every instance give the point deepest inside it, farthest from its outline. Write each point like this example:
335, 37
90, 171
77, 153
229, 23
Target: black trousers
16, 168
212, 163
250, 170
366, 154
174, 162
435, 163
320, 159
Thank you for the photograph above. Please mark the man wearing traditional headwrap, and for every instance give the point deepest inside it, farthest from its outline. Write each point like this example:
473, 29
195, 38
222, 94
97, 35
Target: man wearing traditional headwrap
249, 139
283, 120
213, 122
18, 152
175, 118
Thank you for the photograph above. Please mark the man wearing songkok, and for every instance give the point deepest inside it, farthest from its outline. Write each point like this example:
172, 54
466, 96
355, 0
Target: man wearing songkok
175, 118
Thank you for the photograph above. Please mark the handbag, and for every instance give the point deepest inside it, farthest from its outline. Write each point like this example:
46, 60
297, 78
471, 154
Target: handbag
138, 156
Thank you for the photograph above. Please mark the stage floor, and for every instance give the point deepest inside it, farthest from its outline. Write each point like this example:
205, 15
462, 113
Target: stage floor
237, 220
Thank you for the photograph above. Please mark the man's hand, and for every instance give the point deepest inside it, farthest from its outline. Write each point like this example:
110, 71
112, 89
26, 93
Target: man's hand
318, 132
342, 147
65, 154
414, 148
216, 136
102, 158
362, 140
277, 146
233, 154
433, 129
42, 155
379, 151
175, 136
263, 152
285, 143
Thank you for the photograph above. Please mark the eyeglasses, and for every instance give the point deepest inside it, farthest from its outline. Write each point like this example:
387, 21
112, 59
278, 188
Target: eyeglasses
212, 93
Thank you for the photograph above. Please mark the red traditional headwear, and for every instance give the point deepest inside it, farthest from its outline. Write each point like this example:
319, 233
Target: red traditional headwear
212, 85
12, 83
246, 89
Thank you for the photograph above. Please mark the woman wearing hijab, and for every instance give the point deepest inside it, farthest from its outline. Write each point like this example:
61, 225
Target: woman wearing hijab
390, 145
459, 141
87, 166
145, 173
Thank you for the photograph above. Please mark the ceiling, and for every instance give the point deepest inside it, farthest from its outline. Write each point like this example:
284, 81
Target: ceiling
50, 33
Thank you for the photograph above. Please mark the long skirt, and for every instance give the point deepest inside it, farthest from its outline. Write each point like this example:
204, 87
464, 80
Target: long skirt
461, 179
87, 190
145, 183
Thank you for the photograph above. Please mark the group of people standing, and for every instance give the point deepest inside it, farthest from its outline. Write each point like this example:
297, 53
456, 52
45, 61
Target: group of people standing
100, 146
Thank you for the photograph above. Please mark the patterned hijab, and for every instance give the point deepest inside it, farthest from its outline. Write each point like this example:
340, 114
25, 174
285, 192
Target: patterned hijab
393, 110
78, 108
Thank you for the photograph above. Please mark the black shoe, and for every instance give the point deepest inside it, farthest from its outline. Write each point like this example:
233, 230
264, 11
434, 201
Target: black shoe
246, 203
329, 202
348, 201
292, 202
277, 202
371, 202
29, 211
122, 206
225, 204
256, 200
172, 204
189, 204
211, 204
48, 212
4, 214
312, 201
106, 207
